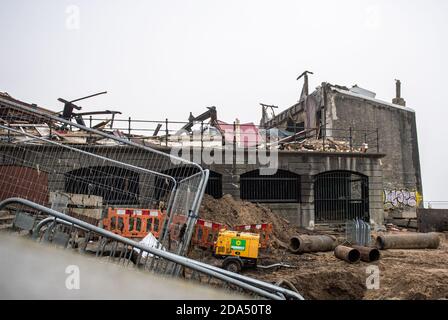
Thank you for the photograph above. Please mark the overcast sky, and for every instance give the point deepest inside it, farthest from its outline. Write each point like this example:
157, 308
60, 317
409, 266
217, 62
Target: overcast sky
163, 59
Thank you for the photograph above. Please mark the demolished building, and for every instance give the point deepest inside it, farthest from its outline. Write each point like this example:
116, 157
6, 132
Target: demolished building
346, 155
341, 154
334, 108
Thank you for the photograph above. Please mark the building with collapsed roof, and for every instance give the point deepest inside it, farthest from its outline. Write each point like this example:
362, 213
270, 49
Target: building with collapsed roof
335, 108
342, 154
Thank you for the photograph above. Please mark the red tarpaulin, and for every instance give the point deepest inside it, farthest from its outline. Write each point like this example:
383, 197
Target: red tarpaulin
247, 134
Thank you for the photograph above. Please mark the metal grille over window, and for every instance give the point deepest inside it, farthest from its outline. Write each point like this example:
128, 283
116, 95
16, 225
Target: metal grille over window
114, 184
283, 186
214, 183
340, 196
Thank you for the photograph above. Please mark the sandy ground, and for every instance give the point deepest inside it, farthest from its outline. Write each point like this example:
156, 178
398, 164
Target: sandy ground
404, 274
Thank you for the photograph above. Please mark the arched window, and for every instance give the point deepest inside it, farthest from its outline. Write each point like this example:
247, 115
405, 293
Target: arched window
340, 196
283, 186
213, 188
114, 184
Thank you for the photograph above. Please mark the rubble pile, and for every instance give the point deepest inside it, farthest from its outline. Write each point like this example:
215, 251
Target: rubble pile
327, 144
232, 212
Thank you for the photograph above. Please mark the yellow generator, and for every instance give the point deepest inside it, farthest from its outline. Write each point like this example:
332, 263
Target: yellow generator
239, 249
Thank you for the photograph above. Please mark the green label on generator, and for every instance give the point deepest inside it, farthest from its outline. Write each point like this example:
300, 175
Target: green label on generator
238, 244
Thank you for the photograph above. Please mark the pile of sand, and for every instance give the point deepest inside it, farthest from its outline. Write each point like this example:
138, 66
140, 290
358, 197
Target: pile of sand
232, 212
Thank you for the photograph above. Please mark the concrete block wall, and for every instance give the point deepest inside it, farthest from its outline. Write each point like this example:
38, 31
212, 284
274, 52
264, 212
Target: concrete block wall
397, 140
305, 164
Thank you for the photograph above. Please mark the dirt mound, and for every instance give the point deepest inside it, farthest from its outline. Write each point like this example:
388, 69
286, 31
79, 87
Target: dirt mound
234, 212
404, 274
330, 285
318, 276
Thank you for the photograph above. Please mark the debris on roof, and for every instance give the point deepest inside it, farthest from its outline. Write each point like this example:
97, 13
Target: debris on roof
362, 91
203, 131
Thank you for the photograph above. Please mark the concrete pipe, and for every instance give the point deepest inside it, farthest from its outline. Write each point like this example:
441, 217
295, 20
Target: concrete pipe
348, 254
429, 240
368, 254
306, 243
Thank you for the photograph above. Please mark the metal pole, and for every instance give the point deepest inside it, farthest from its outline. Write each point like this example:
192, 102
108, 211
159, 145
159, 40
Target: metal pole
295, 132
234, 142
90, 133
90, 96
324, 124
234, 134
202, 139
129, 128
166, 132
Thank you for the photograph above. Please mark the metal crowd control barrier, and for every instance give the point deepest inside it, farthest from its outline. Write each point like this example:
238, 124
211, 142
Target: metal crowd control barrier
70, 232
41, 152
206, 233
134, 223
263, 229
357, 231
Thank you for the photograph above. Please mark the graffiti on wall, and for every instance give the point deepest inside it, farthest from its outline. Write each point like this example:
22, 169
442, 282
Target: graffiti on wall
401, 198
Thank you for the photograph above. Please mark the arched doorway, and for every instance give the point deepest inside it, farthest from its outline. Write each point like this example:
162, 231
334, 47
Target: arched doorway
114, 184
340, 196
